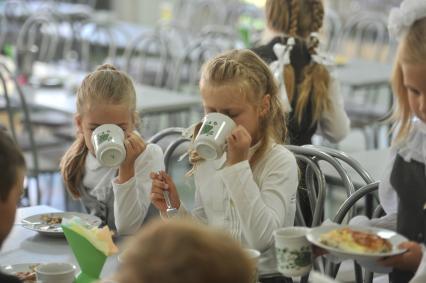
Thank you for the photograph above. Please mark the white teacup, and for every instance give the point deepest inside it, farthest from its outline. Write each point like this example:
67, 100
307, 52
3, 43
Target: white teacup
210, 142
108, 143
55, 272
254, 256
293, 251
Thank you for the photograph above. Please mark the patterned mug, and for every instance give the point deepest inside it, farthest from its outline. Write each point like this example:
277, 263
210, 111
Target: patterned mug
293, 251
210, 142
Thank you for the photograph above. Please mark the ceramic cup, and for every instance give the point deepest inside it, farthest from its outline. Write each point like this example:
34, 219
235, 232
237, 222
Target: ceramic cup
254, 256
108, 143
210, 142
293, 251
55, 272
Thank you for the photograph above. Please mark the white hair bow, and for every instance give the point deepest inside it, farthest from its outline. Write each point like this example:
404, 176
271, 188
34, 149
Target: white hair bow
277, 67
401, 19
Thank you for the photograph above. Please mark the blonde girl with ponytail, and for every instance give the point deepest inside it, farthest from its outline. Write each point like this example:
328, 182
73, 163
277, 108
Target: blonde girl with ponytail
119, 196
313, 94
251, 190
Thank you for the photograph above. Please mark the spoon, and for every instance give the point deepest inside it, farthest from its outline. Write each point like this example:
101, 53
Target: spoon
171, 211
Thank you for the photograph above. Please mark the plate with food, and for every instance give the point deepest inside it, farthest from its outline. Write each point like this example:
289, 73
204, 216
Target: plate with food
24, 271
50, 223
366, 245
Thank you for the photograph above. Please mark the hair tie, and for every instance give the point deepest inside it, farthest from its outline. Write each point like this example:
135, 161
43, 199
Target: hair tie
402, 18
282, 52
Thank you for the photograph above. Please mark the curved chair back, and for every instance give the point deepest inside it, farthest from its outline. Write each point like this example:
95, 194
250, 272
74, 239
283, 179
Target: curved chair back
142, 50
186, 69
97, 35
37, 41
364, 35
314, 179
13, 106
332, 28
342, 212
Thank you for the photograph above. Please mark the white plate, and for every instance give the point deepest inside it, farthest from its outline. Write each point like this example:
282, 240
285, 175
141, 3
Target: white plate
56, 229
367, 260
13, 269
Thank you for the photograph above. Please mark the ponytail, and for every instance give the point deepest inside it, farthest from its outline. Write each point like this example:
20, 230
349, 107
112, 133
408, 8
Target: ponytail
316, 78
72, 166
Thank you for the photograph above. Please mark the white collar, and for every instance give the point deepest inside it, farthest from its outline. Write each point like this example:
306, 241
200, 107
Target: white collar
91, 162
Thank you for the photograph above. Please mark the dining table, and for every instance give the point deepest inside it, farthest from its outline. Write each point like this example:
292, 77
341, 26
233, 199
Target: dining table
24, 246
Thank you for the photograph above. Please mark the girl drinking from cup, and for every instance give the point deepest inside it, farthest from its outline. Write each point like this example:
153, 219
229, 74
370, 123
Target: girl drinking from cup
118, 195
402, 189
251, 189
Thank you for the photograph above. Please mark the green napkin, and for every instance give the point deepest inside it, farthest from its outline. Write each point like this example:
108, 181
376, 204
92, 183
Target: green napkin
90, 259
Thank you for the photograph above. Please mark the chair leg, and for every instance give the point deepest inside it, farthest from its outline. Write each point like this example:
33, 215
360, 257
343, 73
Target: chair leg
358, 273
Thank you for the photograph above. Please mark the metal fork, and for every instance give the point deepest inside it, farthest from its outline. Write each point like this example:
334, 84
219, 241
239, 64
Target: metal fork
171, 211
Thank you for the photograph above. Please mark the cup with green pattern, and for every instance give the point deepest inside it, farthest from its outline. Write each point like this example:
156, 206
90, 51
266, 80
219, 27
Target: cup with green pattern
293, 251
210, 142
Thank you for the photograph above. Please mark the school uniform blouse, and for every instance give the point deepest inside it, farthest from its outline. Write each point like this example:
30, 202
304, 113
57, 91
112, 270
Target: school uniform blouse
402, 193
249, 204
333, 124
123, 207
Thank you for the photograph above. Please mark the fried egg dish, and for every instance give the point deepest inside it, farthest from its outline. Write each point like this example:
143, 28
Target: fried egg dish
351, 240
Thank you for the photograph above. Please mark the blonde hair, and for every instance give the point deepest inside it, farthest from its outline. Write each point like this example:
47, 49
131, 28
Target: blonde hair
411, 50
243, 68
179, 251
301, 18
105, 84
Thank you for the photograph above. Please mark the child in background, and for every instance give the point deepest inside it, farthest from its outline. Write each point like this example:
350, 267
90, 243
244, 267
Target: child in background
12, 168
183, 252
251, 190
402, 191
313, 94
119, 196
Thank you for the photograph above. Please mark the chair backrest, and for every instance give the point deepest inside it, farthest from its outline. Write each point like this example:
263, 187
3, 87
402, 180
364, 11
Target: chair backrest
174, 145
100, 36
186, 70
347, 205
19, 105
364, 35
144, 49
196, 14
314, 178
331, 30
37, 41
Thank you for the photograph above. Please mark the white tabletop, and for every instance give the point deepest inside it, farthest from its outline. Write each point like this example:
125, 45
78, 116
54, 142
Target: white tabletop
359, 73
150, 100
26, 246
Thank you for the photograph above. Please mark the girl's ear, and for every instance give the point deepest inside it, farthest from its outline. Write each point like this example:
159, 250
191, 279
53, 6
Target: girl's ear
266, 105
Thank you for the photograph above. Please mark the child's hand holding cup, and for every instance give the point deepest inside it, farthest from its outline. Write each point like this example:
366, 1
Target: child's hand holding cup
108, 144
210, 142
293, 251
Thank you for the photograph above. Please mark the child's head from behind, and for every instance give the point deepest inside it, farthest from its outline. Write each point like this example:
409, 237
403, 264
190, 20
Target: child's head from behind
294, 17
12, 166
106, 96
240, 85
179, 251
408, 80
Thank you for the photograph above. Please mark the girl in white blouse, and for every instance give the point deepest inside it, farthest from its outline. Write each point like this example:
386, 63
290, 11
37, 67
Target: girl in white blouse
402, 191
251, 190
119, 196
